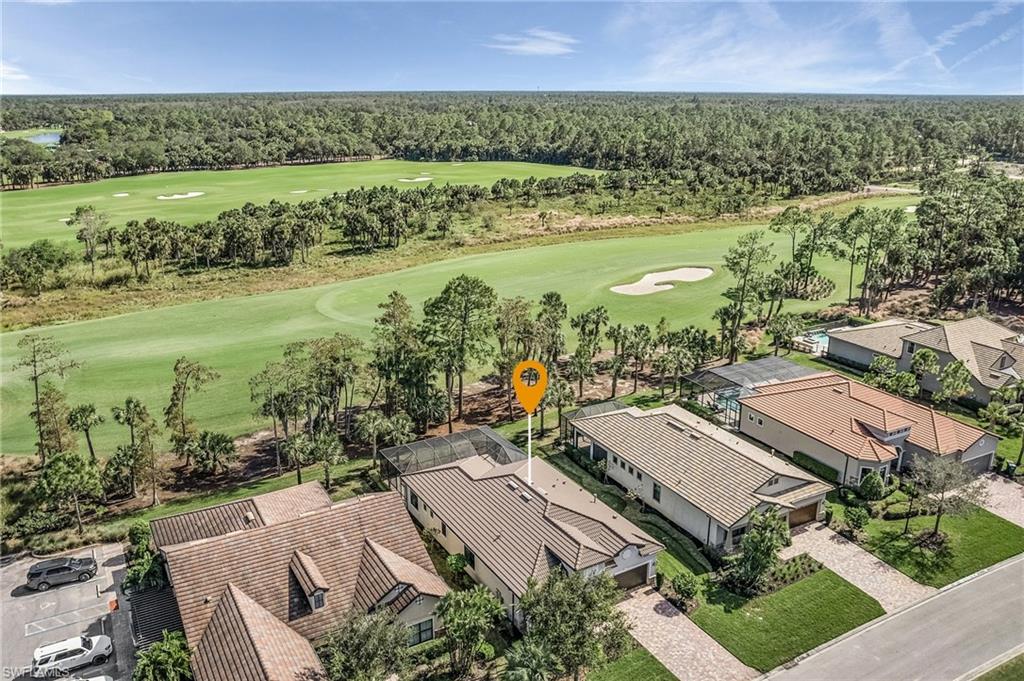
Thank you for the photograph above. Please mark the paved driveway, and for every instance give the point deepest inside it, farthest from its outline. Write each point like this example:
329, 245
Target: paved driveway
1005, 498
679, 644
31, 619
887, 585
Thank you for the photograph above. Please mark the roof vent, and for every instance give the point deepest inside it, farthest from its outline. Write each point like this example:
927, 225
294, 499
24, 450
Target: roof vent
512, 486
249, 517
525, 496
695, 435
837, 390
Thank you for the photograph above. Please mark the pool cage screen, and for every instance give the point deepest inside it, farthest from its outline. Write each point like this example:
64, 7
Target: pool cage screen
436, 451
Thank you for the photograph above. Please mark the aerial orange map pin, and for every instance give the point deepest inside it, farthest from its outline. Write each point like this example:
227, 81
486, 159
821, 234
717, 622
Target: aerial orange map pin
529, 396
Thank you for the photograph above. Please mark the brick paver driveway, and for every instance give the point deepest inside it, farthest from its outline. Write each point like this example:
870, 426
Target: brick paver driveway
678, 643
887, 585
1005, 498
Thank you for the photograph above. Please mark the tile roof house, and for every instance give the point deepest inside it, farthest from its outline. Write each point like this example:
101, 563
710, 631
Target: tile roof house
701, 477
254, 600
245, 514
992, 353
857, 346
512, 531
853, 429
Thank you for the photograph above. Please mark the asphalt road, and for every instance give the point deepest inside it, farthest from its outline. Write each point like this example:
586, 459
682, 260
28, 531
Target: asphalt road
29, 619
943, 638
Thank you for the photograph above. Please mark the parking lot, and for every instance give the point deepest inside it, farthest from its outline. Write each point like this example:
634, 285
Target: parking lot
31, 619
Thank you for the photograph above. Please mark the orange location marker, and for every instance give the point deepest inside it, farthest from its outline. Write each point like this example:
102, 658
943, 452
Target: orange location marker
530, 390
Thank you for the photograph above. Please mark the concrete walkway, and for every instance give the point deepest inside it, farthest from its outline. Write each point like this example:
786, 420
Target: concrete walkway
1005, 498
887, 585
679, 644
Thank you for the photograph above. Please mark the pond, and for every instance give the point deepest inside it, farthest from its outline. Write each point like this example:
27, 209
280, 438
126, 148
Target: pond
48, 139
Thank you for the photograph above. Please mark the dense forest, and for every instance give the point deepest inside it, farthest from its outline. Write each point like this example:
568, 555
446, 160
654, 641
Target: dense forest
779, 145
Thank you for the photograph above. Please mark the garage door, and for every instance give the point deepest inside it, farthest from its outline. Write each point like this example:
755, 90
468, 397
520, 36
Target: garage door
979, 464
632, 578
804, 514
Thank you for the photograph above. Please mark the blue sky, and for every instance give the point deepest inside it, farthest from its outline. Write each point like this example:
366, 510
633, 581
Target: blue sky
54, 46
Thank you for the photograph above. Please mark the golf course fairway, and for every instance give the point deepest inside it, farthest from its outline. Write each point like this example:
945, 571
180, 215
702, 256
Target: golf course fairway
133, 354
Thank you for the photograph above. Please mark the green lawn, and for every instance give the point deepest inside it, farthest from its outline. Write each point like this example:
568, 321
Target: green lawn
37, 213
974, 542
636, 665
133, 354
28, 132
770, 630
1011, 670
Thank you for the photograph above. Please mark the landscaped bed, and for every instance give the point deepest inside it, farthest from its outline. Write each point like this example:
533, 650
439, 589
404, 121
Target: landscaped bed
770, 630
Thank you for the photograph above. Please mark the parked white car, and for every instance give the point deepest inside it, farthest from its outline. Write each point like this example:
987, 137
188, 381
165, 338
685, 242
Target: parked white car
61, 657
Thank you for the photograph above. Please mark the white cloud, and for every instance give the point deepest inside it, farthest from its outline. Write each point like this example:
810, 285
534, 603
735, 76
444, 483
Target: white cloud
1005, 36
534, 42
11, 72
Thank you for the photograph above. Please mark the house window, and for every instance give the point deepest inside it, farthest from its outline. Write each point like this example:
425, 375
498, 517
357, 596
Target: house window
318, 600
444, 529
615, 459
414, 500
864, 473
470, 557
738, 533
657, 492
774, 481
622, 464
750, 416
631, 470
421, 633
639, 476
760, 421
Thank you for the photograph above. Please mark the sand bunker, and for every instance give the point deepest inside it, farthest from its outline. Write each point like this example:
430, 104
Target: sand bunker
656, 281
65, 220
457, 164
172, 197
415, 179
298, 191
120, 195
911, 209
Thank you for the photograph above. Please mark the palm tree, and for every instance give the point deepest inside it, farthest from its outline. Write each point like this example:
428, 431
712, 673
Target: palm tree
84, 418
371, 426
580, 366
298, 448
530, 661
399, 430
327, 449
616, 365
559, 393
133, 414
662, 364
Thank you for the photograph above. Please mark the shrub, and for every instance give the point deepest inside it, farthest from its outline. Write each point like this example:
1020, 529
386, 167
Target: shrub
427, 652
857, 518
829, 512
872, 487
686, 586
816, 467
139, 535
456, 563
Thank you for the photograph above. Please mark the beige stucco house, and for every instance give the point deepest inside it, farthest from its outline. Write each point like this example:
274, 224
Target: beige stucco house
854, 429
701, 477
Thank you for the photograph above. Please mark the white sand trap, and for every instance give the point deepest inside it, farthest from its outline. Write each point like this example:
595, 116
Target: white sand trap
415, 179
458, 164
120, 195
911, 209
64, 220
656, 281
173, 197
298, 191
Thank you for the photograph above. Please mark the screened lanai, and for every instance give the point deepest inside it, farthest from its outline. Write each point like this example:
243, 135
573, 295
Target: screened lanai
436, 451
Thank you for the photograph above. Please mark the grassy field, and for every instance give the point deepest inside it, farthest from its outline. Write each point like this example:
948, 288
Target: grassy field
37, 213
635, 665
1011, 670
770, 630
26, 133
133, 354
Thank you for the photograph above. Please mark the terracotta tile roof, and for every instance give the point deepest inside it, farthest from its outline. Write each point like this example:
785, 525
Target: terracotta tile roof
712, 469
234, 516
512, 526
980, 344
260, 561
244, 642
884, 337
308, 574
841, 413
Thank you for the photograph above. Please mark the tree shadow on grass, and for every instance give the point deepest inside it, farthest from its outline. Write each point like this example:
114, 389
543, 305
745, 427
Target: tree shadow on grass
727, 600
906, 552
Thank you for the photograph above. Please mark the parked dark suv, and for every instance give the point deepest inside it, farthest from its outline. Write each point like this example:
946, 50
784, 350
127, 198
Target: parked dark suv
42, 576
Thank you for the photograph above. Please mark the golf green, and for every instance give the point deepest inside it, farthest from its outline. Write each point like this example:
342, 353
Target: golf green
42, 213
133, 354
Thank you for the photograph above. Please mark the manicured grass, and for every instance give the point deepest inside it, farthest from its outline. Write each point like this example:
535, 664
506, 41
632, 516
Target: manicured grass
770, 630
28, 132
1011, 670
36, 213
974, 542
133, 354
636, 665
